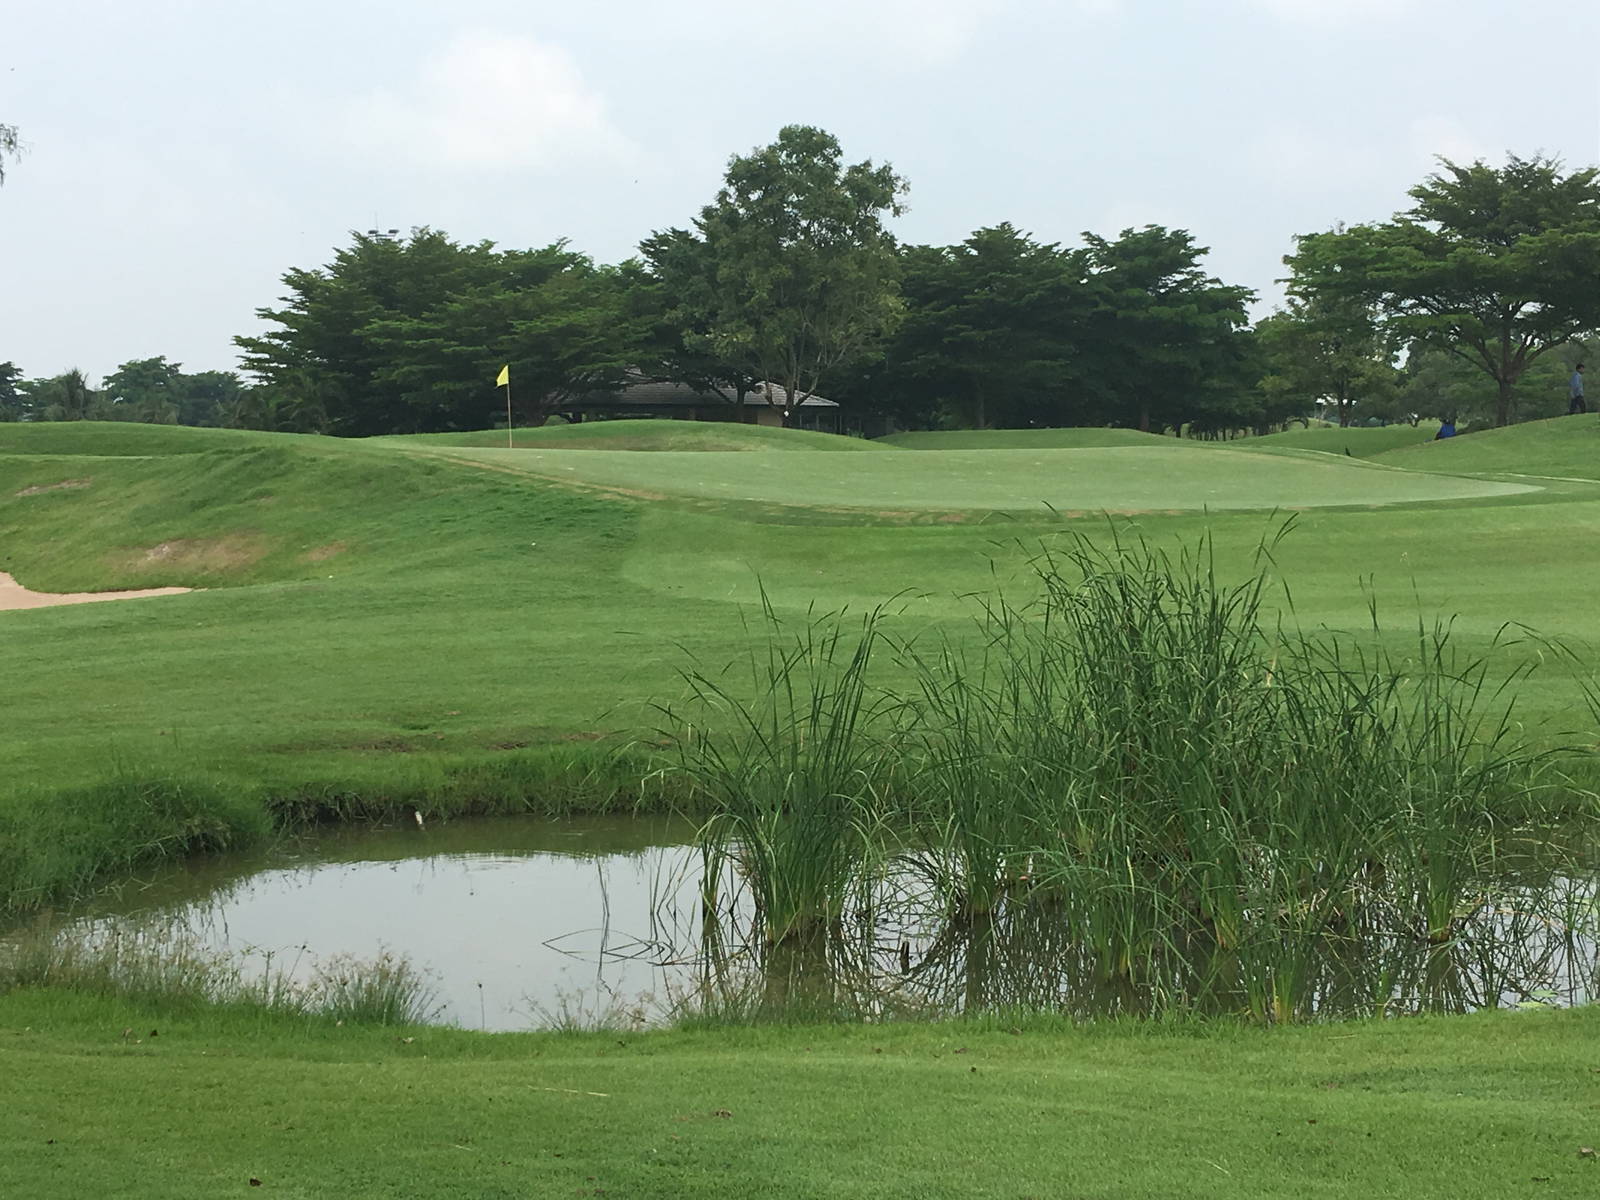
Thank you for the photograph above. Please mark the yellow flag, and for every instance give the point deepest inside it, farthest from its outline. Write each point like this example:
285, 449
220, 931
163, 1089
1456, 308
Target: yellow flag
502, 379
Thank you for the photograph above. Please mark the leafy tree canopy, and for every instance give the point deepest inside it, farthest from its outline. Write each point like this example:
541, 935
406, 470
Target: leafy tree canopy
1496, 266
989, 327
1162, 343
1328, 348
789, 274
408, 335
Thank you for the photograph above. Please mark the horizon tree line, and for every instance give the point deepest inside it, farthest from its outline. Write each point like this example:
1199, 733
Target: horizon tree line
1471, 304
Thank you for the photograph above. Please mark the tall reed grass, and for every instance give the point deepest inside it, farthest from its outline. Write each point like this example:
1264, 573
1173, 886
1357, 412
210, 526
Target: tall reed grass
161, 967
1210, 804
792, 778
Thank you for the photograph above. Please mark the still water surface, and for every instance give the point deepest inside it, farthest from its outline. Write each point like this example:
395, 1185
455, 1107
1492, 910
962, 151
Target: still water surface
523, 923
516, 923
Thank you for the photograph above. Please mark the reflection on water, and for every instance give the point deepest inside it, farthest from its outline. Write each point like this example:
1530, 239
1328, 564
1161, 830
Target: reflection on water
516, 923
524, 923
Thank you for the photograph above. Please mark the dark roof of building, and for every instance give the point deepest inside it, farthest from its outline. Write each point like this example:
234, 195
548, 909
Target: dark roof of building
652, 393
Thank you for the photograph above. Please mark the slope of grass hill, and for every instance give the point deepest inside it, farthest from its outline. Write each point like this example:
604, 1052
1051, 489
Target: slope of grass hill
1025, 439
659, 434
1559, 447
1357, 442
1153, 475
121, 439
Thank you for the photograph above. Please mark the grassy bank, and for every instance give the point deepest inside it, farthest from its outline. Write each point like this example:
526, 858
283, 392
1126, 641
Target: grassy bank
1492, 1105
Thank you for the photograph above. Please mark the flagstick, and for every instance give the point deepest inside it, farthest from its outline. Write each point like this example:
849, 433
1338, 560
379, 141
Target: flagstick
509, 446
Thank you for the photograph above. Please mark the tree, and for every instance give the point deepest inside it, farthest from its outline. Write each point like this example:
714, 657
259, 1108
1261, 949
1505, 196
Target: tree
324, 345
11, 400
146, 389
1321, 348
277, 408
551, 315
208, 397
10, 147
65, 397
407, 336
789, 274
988, 328
1494, 266
1438, 384
676, 290
1161, 343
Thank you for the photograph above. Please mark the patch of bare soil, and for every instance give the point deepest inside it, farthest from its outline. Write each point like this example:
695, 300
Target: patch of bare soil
324, 553
202, 554
68, 484
14, 596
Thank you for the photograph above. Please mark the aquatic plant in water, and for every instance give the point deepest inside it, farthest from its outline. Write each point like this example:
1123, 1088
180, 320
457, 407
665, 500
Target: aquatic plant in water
1179, 804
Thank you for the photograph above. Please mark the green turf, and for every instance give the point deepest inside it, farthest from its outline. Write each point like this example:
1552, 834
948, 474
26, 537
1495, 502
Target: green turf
1357, 442
398, 620
108, 1099
384, 623
1561, 447
1172, 476
660, 434
1026, 439
124, 438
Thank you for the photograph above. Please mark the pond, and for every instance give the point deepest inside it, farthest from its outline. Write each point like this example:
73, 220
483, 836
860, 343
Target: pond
521, 923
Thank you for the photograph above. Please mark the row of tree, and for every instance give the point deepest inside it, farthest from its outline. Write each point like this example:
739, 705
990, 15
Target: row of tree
1450, 309
149, 389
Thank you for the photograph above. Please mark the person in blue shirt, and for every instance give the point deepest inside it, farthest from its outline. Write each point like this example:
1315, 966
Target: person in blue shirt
1447, 429
1575, 392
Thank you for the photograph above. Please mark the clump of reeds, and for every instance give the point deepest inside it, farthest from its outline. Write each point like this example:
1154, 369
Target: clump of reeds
1209, 809
790, 762
161, 966
1180, 772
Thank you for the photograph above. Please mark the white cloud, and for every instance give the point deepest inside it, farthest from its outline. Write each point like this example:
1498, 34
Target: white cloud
491, 101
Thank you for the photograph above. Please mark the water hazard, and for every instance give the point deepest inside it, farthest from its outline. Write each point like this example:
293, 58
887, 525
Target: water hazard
519, 924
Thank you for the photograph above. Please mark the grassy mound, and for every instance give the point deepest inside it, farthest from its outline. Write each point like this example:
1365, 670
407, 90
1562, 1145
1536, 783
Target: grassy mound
1156, 475
254, 512
1356, 442
123, 438
1024, 439
1560, 447
660, 434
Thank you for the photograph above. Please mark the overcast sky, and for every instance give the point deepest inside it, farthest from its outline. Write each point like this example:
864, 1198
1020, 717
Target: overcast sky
182, 155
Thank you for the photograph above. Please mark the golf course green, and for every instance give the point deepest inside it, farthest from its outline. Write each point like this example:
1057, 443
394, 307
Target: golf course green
444, 624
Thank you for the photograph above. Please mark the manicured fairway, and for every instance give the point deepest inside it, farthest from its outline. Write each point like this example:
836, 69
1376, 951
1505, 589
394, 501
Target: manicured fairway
107, 1099
1118, 479
364, 600
645, 435
1030, 439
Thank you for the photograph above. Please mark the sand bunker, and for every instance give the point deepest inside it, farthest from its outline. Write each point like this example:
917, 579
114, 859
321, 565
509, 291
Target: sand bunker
14, 595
